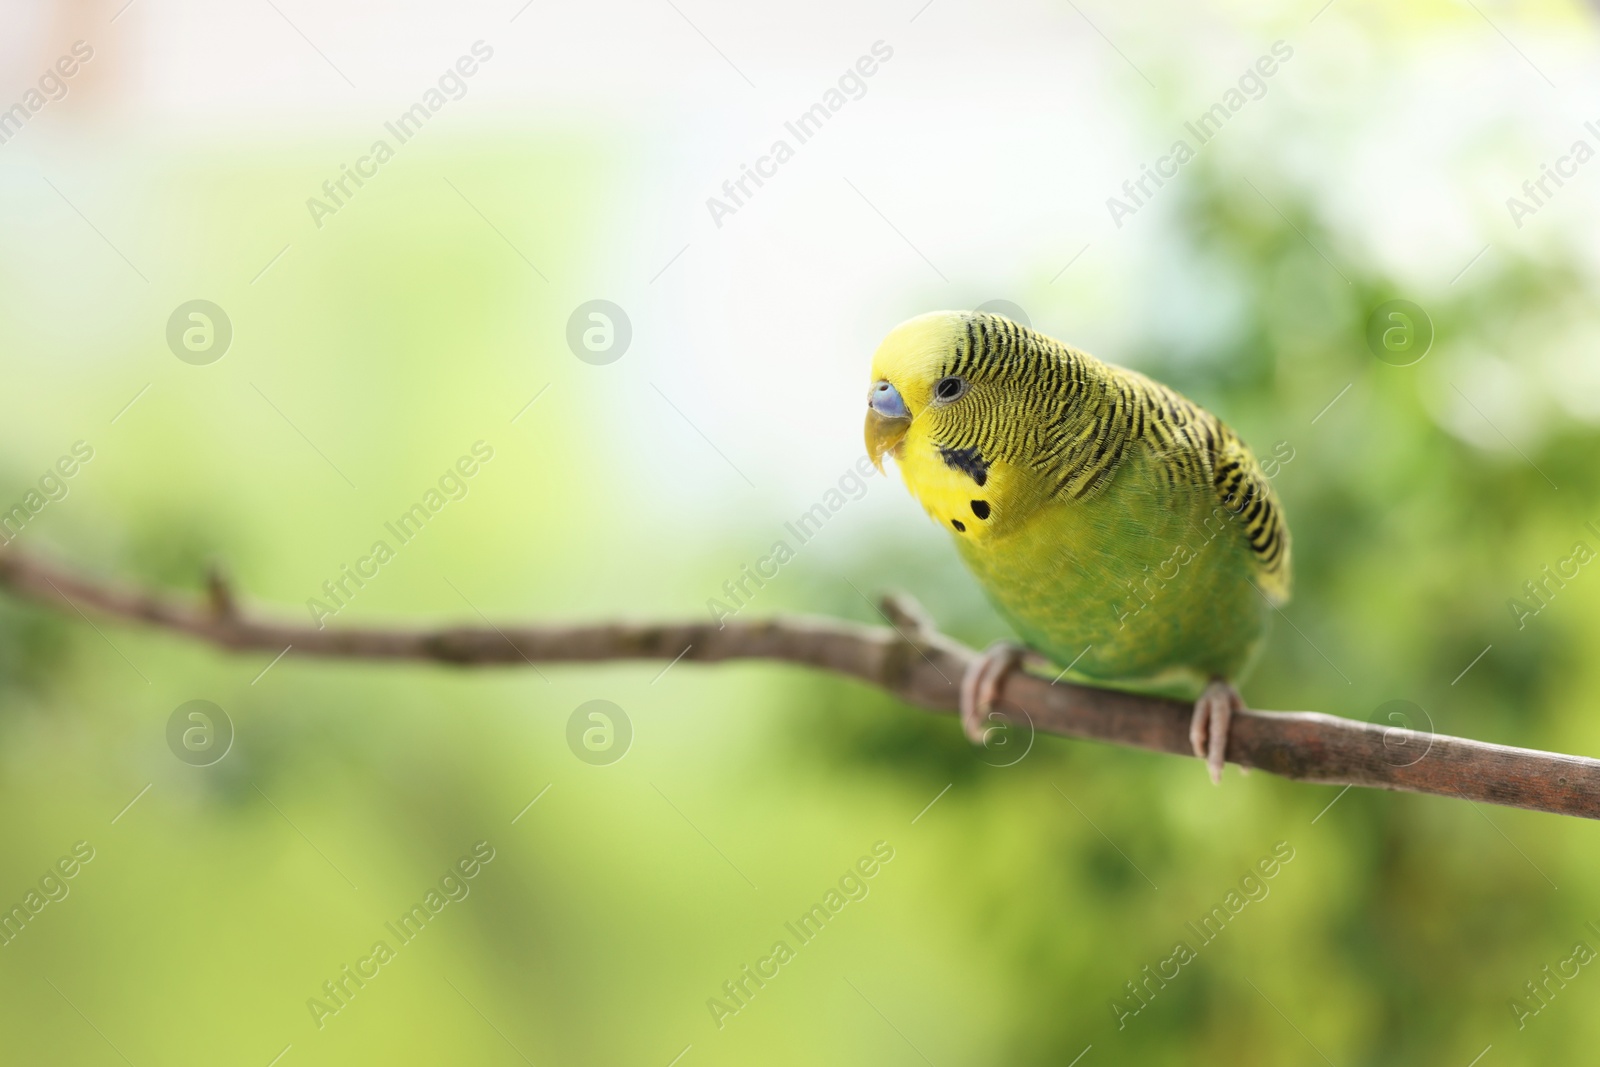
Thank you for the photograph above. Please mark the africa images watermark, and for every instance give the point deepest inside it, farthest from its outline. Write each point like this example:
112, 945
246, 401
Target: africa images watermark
1538, 191
1252, 85
853, 885
352, 578
851, 486
53, 888
1252, 888
802, 128
52, 86
454, 885
1542, 590
403, 128
52, 487
1540, 991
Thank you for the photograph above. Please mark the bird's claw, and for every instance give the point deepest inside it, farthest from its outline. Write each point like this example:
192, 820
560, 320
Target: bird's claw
981, 685
1208, 729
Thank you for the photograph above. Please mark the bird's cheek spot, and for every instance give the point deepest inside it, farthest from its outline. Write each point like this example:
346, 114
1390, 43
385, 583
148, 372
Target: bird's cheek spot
960, 526
980, 508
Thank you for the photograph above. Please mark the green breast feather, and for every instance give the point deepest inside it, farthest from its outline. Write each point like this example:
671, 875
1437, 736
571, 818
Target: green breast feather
1143, 582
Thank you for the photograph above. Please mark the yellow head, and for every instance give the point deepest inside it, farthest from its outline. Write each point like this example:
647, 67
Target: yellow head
958, 399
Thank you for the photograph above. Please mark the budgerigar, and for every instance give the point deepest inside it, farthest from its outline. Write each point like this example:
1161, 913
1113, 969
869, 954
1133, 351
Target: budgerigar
1122, 530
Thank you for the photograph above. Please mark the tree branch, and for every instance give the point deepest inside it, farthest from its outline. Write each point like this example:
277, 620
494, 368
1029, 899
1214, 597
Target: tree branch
908, 658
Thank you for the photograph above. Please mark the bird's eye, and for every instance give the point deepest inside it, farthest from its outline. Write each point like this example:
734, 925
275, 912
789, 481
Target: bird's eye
948, 389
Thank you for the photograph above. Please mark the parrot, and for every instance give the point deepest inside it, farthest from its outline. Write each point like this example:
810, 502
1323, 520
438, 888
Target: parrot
1120, 529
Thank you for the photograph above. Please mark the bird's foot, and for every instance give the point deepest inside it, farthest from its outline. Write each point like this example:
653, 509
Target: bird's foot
1208, 730
981, 684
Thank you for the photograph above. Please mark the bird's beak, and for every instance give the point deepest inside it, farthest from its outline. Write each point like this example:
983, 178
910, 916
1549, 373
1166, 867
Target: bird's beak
887, 421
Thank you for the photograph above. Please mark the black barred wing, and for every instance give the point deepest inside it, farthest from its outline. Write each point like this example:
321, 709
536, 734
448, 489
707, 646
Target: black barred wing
1196, 448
